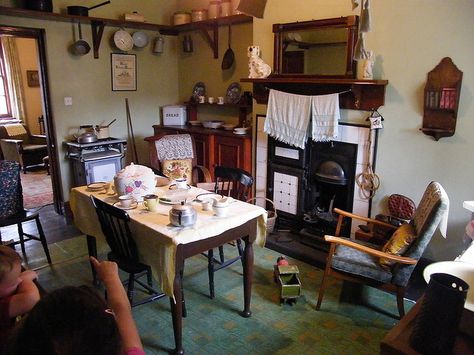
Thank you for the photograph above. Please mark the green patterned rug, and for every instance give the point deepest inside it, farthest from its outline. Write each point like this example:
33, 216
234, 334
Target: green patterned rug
215, 326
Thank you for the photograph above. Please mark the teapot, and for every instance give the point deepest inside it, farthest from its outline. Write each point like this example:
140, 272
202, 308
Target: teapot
183, 215
220, 206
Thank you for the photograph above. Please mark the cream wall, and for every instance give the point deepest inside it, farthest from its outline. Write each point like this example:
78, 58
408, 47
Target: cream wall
87, 80
28, 55
409, 39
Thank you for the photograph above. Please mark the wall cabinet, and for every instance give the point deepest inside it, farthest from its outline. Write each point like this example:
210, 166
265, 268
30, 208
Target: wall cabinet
215, 146
441, 100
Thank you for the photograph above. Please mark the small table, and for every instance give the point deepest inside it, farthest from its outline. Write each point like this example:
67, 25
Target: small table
397, 340
165, 247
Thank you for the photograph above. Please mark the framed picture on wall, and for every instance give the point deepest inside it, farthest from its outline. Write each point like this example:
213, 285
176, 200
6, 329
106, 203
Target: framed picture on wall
32, 78
124, 72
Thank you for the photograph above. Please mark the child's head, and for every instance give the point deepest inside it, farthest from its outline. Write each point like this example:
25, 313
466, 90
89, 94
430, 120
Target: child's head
70, 320
10, 270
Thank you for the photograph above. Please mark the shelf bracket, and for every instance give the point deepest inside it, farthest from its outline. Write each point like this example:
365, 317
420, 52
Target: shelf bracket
97, 32
214, 41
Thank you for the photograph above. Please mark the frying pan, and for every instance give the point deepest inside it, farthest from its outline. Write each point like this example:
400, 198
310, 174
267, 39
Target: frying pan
80, 47
82, 10
228, 59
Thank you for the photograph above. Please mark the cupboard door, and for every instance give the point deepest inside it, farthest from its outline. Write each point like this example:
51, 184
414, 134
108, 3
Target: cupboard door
201, 142
233, 152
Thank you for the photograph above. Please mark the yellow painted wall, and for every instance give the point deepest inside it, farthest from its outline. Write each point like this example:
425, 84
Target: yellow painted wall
28, 55
409, 39
88, 80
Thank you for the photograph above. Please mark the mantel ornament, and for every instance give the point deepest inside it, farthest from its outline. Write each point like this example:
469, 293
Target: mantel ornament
258, 69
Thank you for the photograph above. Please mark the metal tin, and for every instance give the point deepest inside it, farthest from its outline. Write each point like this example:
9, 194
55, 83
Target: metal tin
181, 17
174, 115
226, 8
214, 9
199, 15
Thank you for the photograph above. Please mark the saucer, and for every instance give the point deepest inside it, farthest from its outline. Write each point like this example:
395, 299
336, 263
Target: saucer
131, 207
174, 187
97, 186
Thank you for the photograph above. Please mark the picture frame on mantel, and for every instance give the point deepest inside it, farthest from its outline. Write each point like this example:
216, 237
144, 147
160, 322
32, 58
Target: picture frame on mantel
124, 72
32, 78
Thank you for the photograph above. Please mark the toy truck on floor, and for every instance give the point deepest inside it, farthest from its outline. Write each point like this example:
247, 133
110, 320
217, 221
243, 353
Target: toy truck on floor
290, 285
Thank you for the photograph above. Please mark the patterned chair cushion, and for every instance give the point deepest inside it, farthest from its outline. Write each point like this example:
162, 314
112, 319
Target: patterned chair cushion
355, 262
398, 243
11, 201
178, 168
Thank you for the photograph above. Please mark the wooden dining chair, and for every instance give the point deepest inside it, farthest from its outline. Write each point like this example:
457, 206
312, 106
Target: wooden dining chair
11, 207
114, 223
236, 183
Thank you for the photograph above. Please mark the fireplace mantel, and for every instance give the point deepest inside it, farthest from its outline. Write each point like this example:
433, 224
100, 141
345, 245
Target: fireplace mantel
355, 94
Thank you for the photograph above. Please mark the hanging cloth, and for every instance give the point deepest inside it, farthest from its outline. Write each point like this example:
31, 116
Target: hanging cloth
365, 20
288, 117
325, 115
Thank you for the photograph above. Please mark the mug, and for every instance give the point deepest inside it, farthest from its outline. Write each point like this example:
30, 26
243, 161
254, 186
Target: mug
210, 99
150, 202
181, 183
206, 206
126, 200
202, 99
220, 100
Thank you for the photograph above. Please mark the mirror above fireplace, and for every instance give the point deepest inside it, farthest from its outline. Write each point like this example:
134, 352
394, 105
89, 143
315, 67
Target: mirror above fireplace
318, 48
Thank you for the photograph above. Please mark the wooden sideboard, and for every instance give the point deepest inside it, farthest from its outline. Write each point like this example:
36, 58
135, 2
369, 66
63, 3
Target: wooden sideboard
216, 146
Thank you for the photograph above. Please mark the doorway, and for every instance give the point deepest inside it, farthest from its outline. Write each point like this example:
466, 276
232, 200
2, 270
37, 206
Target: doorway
40, 123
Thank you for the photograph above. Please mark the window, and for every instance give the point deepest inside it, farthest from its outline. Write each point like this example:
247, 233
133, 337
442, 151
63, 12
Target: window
5, 108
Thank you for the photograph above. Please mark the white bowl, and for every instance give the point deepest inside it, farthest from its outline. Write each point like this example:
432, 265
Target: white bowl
212, 124
229, 126
241, 130
465, 271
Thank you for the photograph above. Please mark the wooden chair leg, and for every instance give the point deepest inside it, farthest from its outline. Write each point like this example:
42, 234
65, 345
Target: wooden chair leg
322, 289
43, 239
22, 239
210, 270
149, 278
400, 302
130, 288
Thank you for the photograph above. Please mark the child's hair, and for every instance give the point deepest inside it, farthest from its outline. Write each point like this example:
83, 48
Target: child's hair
8, 259
70, 320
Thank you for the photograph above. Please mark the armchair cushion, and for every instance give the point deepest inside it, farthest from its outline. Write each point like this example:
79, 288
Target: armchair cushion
398, 243
356, 262
178, 168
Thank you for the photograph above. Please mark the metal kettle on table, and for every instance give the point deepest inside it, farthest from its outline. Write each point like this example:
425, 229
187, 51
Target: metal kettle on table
183, 215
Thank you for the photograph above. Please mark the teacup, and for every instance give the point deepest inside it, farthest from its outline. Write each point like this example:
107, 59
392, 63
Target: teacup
202, 99
206, 205
126, 200
150, 202
210, 99
220, 211
181, 183
220, 100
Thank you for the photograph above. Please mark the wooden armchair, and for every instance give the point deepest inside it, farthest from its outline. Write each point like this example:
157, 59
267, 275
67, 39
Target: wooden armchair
385, 268
17, 144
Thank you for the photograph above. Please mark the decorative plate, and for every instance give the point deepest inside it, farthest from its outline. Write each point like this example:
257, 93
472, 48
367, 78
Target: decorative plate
199, 90
97, 186
123, 40
234, 92
140, 39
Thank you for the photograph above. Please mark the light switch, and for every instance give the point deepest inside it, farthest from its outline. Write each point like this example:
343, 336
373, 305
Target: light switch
68, 101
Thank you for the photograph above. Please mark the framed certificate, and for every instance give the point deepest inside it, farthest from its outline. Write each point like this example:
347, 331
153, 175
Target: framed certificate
124, 72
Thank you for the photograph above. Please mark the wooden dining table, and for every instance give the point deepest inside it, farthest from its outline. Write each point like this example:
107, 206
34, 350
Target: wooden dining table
165, 247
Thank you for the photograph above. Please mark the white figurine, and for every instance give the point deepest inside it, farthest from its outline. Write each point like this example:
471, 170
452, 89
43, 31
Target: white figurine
257, 67
368, 66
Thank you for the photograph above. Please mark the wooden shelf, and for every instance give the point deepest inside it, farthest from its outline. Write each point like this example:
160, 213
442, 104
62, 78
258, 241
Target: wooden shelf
98, 24
355, 94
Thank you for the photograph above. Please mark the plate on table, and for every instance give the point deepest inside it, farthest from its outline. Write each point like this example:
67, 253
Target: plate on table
199, 90
131, 207
97, 186
206, 196
234, 92
170, 201
174, 187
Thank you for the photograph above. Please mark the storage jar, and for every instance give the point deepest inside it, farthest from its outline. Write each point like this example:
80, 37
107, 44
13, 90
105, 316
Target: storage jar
235, 4
199, 15
214, 9
226, 8
181, 17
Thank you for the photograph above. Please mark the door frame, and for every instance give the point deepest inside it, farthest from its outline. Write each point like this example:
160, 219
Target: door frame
39, 35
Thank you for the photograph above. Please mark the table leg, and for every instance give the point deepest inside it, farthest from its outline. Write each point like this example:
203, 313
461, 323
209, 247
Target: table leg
92, 250
177, 308
248, 275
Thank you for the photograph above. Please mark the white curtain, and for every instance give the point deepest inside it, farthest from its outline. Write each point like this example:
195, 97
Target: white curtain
15, 81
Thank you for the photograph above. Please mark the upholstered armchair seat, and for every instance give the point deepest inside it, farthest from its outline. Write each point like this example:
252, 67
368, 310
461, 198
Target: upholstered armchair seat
17, 144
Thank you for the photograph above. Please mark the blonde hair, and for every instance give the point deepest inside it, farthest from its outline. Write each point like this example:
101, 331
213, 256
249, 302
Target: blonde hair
8, 259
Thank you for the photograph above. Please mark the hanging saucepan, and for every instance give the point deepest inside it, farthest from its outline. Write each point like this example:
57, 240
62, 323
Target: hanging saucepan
228, 59
80, 47
82, 10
